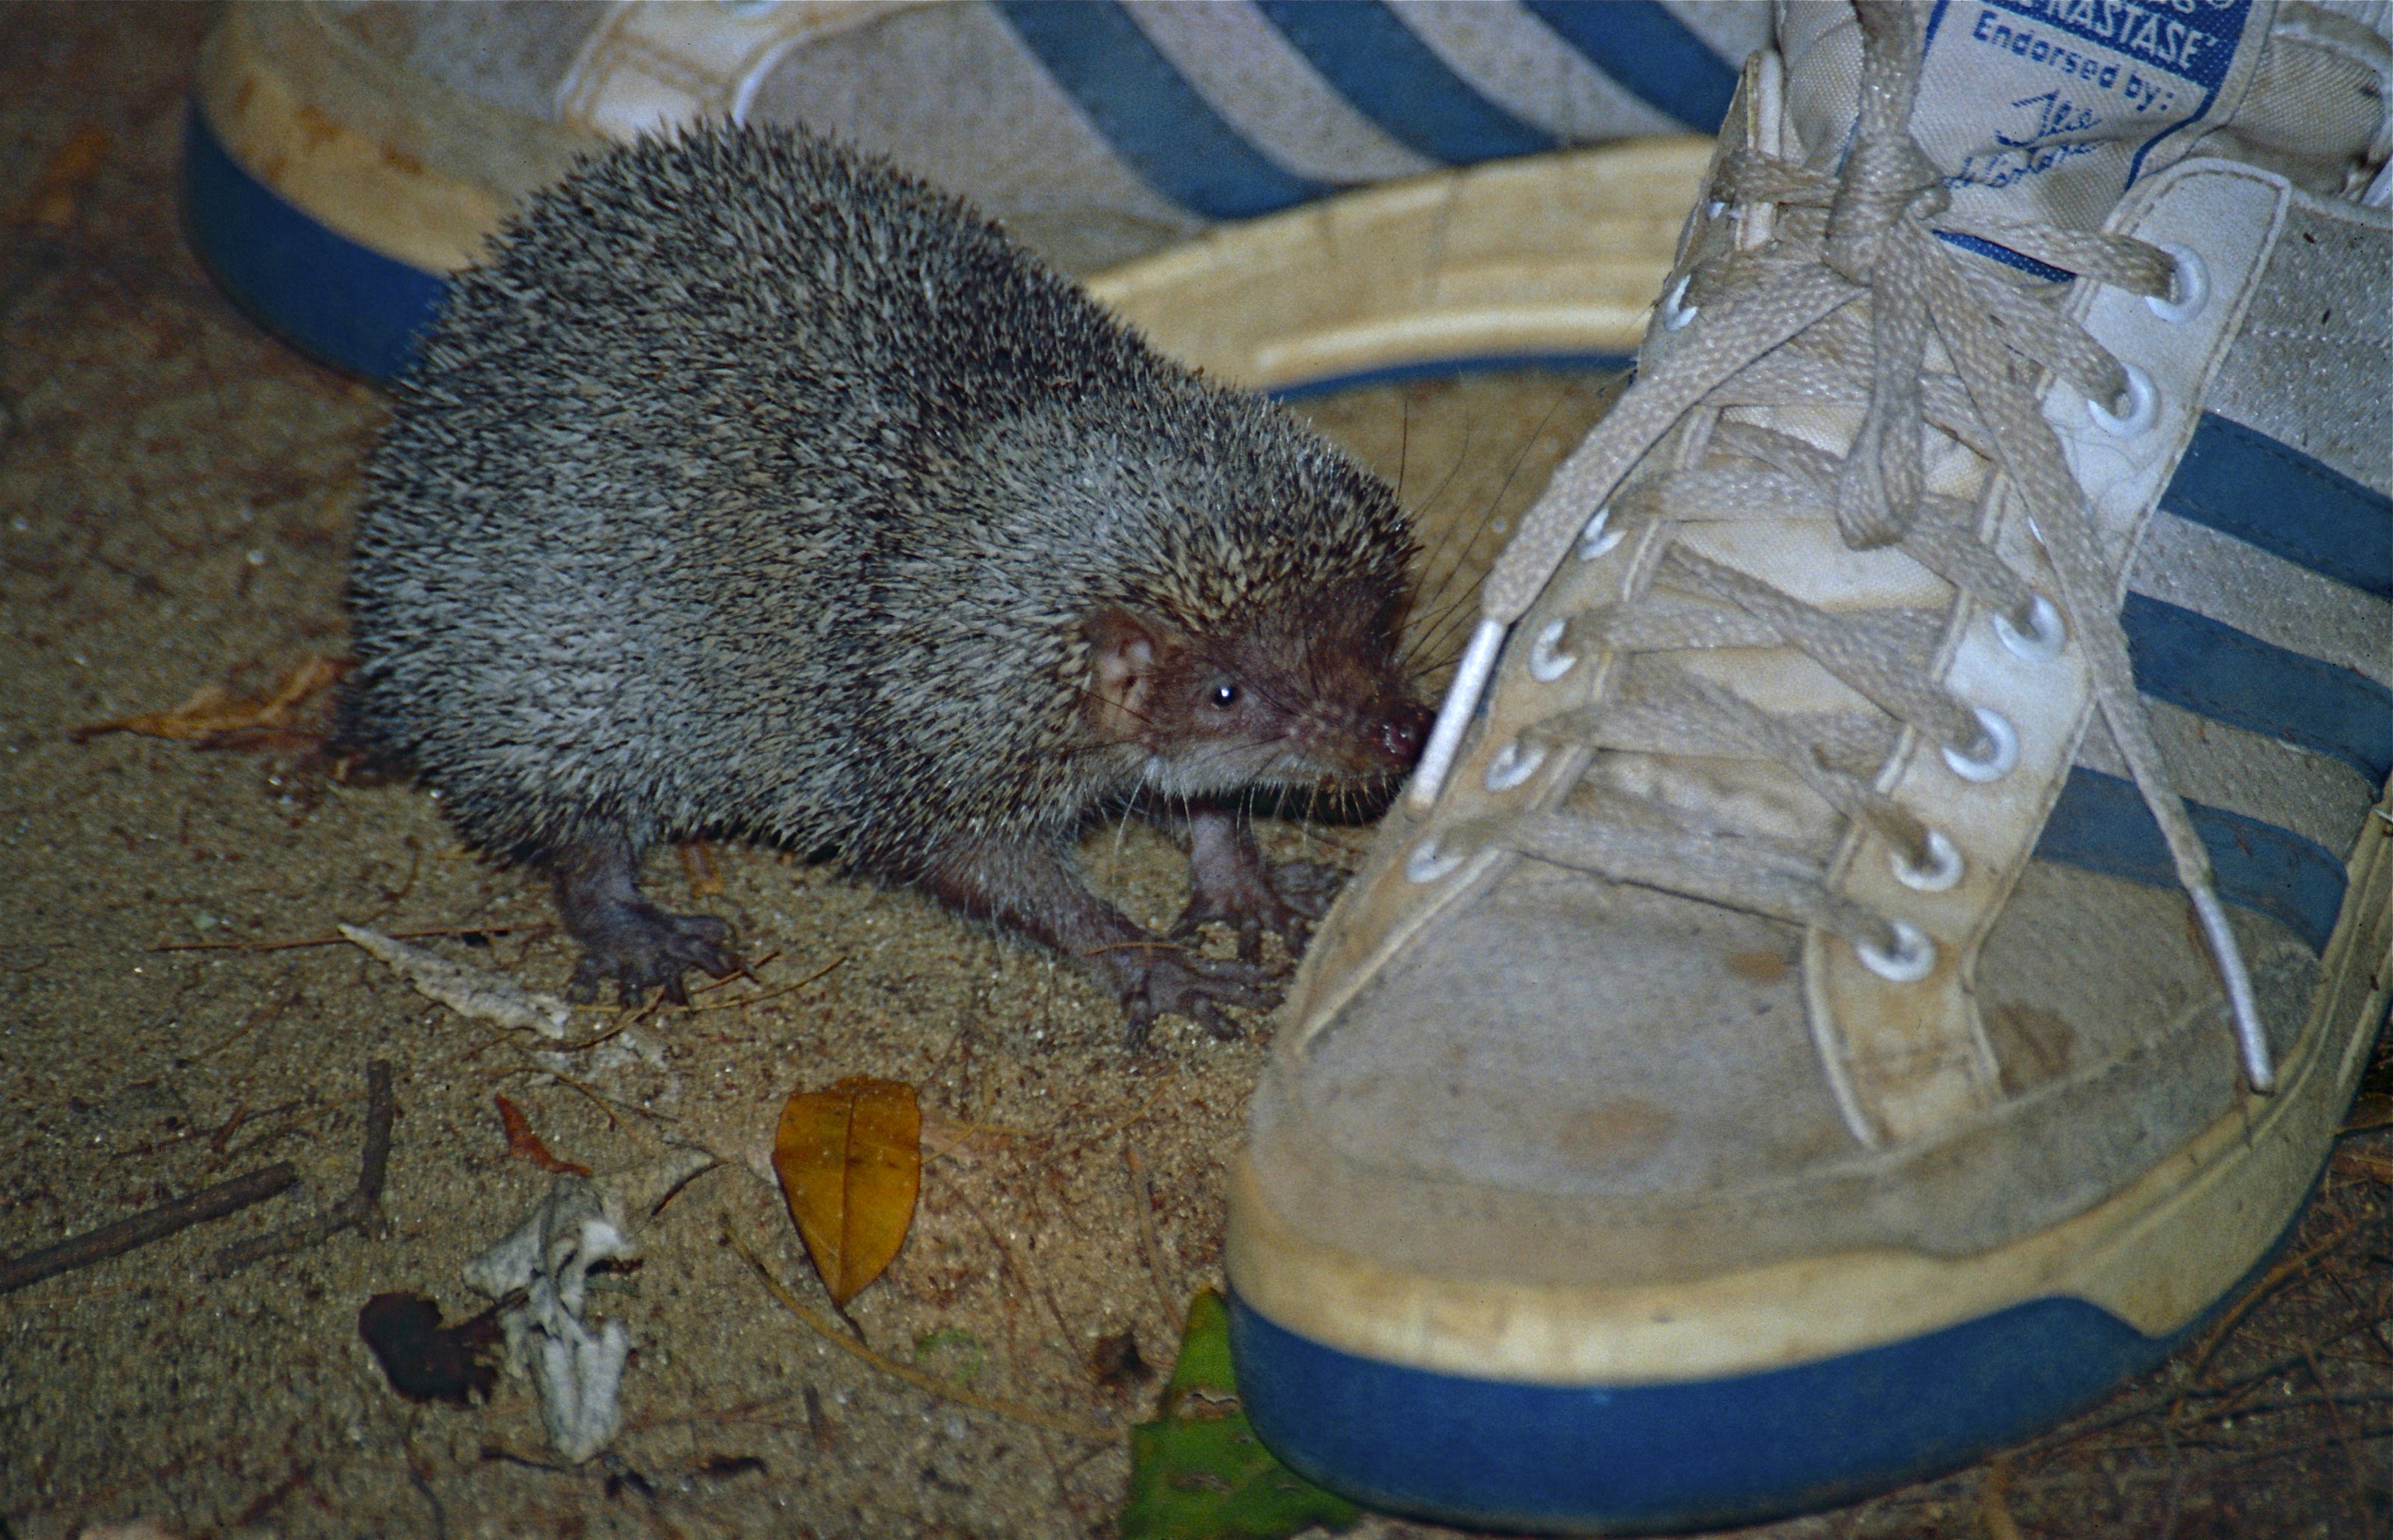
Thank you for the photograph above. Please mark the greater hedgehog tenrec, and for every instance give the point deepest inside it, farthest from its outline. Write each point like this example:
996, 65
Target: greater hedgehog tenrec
752, 488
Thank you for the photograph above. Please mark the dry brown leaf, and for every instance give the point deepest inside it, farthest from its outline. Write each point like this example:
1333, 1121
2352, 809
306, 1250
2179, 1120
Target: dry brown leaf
212, 717
525, 1143
70, 172
850, 1160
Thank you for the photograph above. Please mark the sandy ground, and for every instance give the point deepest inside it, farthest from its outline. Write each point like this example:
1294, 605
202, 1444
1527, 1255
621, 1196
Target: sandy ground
174, 497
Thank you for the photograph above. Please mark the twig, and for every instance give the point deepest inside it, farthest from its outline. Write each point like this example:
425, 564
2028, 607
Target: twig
747, 970
1057, 1156
626, 1018
606, 1110
300, 1120
1022, 1274
2076, 1437
254, 1020
943, 1136
1141, 1195
2278, 1276
267, 1501
150, 1224
746, 1411
233, 1125
768, 994
333, 938
905, 1372
1157, 945
362, 1210
499, 1454
1994, 1503
2342, 1434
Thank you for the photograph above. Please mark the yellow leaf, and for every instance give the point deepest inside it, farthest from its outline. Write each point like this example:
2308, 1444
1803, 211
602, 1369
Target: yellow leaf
850, 1162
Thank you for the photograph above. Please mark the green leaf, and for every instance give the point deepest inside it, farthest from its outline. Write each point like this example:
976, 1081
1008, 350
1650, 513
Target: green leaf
1198, 1472
1203, 1366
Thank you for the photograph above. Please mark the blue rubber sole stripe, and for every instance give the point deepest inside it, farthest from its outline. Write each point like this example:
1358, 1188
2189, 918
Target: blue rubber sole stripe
1448, 369
2100, 823
1390, 75
1692, 1455
1648, 53
2213, 670
335, 299
1162, 129
2241, 482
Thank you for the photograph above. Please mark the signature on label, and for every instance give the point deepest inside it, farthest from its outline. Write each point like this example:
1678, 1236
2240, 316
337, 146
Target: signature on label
2047, 116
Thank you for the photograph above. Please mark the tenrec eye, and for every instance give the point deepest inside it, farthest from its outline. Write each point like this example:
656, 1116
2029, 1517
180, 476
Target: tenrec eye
1225, 696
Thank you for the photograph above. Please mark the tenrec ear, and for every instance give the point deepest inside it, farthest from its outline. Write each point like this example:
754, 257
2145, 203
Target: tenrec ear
1123, 653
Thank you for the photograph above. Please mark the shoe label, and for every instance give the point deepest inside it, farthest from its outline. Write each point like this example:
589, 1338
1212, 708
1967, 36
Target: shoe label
2064, 104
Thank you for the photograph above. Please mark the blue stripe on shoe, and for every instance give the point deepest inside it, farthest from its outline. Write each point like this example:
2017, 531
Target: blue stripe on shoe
2215, 670
1455, 368
1390, 76
2100, 823
326, 295
1693, 1454
1155, 120
2241, 482
1649, 53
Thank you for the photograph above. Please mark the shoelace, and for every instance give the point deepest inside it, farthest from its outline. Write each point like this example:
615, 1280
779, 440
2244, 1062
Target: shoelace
1832, 294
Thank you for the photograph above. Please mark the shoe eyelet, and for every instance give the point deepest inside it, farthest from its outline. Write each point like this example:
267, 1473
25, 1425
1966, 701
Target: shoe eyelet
1914, 956
2041, 641
1513, 763
1597, 539
2188, 289
1943, 872
1676, 313
1428, 863
2000, 758
2143, 407
1546, 665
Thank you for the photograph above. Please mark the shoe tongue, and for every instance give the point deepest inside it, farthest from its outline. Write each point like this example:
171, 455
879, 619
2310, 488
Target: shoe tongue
2041, 109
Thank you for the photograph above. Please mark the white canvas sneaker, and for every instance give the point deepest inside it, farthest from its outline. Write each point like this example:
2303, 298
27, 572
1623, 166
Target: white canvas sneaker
346, 155
1897, 901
